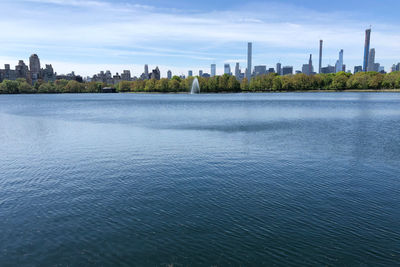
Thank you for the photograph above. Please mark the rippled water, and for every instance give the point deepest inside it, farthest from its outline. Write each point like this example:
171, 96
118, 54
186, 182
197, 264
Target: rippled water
209, 180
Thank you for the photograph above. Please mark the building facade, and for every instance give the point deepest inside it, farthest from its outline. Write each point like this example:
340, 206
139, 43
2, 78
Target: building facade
249, 60
366, 49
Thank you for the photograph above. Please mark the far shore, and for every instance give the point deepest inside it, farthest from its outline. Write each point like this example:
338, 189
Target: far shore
276, 92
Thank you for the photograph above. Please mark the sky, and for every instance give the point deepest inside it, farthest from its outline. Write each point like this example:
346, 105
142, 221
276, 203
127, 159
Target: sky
87, 36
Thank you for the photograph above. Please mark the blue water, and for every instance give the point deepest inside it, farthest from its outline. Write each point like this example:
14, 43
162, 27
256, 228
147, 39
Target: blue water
200, 180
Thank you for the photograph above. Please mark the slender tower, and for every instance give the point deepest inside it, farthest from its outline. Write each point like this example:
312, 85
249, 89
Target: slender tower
320, 55
249, 58
366, 49
310, 66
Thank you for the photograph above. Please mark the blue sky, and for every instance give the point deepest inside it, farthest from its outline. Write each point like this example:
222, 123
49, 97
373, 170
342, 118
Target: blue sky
92, 35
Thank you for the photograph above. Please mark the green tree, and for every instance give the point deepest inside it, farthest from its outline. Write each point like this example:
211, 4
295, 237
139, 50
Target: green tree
233, 84
9, 87
74, 87
244, 85
124, 86
26, 88
47, 88
340, 81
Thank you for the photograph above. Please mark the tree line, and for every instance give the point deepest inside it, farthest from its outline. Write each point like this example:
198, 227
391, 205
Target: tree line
225, 83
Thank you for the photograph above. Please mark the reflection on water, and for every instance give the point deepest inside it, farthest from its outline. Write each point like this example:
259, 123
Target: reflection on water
242, 179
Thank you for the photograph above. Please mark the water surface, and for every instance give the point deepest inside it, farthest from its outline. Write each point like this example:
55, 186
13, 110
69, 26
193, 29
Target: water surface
200, 180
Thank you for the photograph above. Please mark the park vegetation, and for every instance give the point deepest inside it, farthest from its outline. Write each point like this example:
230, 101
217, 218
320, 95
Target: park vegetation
219, 84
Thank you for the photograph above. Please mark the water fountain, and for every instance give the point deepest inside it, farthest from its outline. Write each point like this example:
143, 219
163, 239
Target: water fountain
195, 87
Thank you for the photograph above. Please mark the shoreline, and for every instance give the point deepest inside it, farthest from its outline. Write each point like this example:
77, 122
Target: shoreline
227, 92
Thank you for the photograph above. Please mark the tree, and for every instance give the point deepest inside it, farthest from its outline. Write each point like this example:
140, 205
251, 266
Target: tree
47, 88
9, 87
26, 88
233, 84
162, 85
150, 85
340, 81
94, 87
124, 86
244, 85
223, 82
74, 87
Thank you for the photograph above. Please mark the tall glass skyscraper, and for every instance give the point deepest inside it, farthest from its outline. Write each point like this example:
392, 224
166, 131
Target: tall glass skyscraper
366, 48
249, 59
227, 69
320, 55
339, 63
213, 70
371, 60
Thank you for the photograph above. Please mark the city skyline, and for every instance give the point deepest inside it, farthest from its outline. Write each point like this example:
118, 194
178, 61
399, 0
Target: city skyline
99, 35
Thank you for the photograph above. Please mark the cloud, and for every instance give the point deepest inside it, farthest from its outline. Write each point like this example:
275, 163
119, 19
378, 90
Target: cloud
115, 33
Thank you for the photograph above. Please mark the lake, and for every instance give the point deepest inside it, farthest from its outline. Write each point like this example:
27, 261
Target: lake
287, 179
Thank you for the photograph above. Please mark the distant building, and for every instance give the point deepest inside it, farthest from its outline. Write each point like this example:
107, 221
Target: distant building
249, 60
116, 79
169, 75
108, 90
70, 77
279, 68
298, 72
320, 56
260, 70
366, 49
339, 63
227, 69
308, 69
48, 74
146, 72
22, 71
213, 70
271, 70
206, 75
371, 61
34, 67
126, 75
358, 69
7, 73
190, 73
237, 71
200, 73
287, 70
155, 74
328, 69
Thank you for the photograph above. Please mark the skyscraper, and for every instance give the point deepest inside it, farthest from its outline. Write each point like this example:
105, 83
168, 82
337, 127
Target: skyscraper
213, 70
339, 63
260, 70
169, 75
146, 71
34, 67
371, 60
287, 70
357, 69
366, 49
279, 68
320, 55
200, 73
227, 69
190, 73
237, 71
308, 68
249, 60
